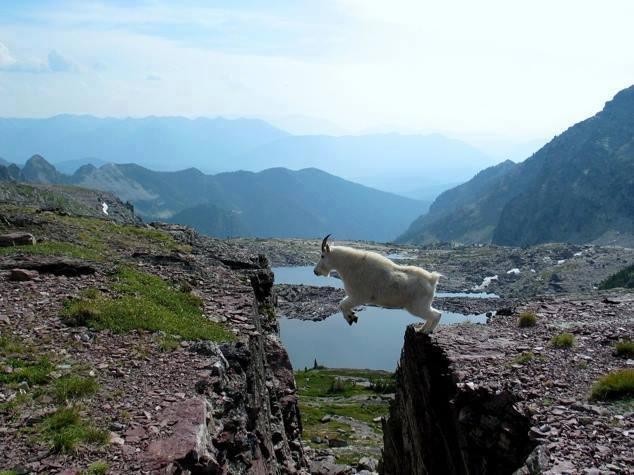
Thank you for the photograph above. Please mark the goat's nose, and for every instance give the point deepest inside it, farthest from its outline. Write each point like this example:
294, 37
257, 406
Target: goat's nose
315, 272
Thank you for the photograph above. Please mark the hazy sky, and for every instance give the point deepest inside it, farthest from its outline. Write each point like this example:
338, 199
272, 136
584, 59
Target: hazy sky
504, 70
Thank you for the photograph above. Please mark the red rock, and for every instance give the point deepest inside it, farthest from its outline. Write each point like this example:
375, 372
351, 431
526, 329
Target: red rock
189, 438
22, 275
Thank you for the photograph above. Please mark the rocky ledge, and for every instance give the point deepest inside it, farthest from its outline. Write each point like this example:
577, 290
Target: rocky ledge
201, 407
499, 399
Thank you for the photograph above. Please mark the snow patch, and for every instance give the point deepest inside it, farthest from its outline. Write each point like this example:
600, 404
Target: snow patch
485, 283
104, 208
514, 271
561, 261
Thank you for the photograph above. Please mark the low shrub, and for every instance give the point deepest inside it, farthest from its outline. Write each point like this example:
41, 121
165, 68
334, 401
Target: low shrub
563, 340
527, 319
615, 385
624, 349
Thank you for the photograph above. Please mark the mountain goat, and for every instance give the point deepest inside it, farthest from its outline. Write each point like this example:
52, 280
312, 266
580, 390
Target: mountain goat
370, 278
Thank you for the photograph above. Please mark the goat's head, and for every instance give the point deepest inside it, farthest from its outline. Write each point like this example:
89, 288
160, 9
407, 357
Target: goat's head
324, 266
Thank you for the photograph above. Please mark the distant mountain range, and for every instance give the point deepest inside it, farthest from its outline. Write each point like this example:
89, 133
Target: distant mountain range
392, 162
577, 188
272, 203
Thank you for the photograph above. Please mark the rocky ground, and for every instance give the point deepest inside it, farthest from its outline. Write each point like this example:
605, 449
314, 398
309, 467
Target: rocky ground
502, 375
161, 403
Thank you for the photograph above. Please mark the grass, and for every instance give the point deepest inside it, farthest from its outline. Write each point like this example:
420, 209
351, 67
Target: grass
65, 430
527, 319
145, 302
524, 358
74, 387
624, 349
32, 371
615, 385
168, 343
92, 238
563, 340
55, 248
10, 346
319, 382
98, 468
623, 278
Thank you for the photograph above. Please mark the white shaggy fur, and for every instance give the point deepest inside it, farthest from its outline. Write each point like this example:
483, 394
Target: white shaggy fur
370, 278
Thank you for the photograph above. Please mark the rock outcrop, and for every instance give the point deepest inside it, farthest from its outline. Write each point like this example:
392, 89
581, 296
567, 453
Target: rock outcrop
202, 407
437, 427
499, 399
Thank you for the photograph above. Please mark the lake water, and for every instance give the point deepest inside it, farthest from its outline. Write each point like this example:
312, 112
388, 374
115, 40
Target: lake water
374, 342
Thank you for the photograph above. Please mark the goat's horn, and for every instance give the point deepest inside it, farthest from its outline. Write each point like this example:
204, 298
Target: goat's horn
323, 243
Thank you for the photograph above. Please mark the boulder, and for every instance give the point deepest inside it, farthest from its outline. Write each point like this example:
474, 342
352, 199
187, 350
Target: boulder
22, 275
368, 463
16, 239
188, 446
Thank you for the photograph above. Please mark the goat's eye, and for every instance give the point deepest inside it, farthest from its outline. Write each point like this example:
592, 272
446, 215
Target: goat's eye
322, 256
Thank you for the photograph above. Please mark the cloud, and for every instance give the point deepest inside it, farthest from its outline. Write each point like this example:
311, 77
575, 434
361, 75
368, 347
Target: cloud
152, 77
58, 63
6, 60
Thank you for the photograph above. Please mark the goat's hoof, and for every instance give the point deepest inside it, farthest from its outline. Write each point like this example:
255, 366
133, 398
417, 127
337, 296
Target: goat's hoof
355, 319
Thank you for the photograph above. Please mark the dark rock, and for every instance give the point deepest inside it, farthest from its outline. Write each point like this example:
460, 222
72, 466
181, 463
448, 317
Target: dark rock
436, 427
21, 275
53, 265
17, 239
326, 467
337, 443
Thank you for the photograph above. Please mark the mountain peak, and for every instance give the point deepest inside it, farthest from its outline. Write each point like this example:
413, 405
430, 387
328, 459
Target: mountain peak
38, 170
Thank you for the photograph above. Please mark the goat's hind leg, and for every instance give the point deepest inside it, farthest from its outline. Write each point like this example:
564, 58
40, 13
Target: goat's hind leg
347, 308
427, 313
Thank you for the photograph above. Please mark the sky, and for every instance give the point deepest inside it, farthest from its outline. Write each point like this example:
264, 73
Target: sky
493, 71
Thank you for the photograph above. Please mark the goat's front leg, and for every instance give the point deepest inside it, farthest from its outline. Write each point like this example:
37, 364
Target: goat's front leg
347, 308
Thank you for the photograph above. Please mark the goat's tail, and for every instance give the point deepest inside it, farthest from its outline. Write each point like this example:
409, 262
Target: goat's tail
436, 277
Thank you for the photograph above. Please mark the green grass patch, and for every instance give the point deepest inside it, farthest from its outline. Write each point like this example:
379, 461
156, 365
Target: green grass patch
73, 387
624, 349
31, 371
563, 340
98, 468
65, 430
145, 302
524, 358
55, 248
322, 382
90, 238
527, 319
615, 385
168, 343
623, 278
10, 346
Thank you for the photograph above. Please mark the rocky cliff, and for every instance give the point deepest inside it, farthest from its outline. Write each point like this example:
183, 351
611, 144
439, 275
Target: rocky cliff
158, 402
498, 398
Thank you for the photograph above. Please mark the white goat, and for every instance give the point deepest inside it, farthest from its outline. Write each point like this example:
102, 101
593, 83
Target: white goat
370, 278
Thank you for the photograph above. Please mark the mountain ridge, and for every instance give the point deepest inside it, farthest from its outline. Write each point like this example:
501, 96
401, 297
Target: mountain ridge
577, 188
274, 202
217, 145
